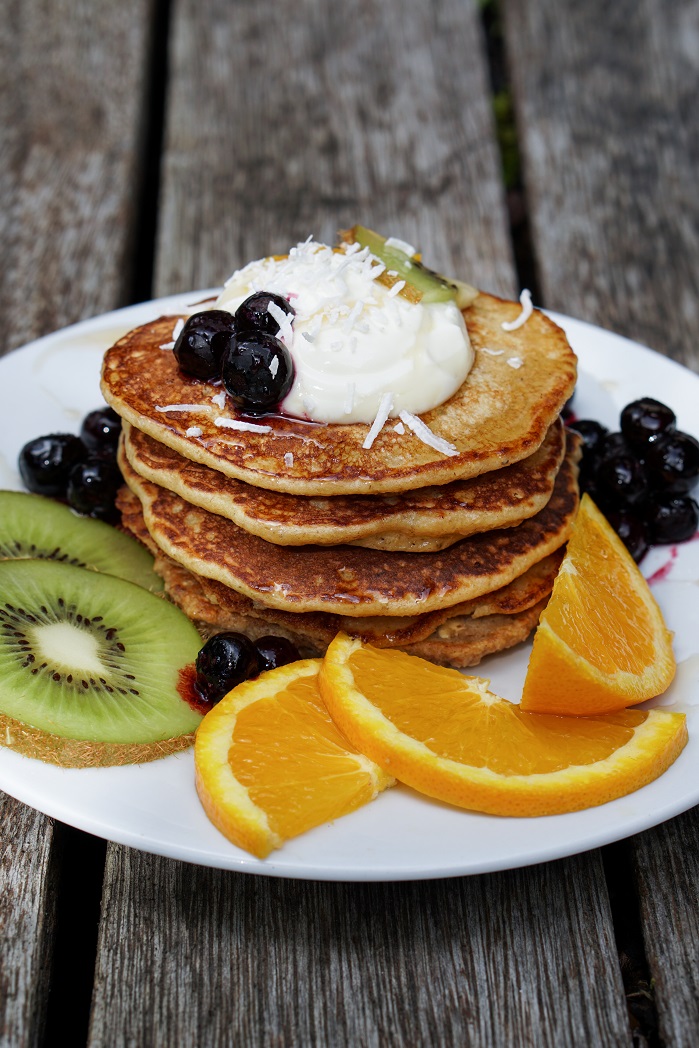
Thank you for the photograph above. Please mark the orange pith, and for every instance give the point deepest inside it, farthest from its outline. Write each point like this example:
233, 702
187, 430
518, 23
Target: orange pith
271, 764
601, 644
449, 737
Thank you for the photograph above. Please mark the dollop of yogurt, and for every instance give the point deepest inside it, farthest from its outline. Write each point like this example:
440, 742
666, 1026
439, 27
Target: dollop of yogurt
353, 340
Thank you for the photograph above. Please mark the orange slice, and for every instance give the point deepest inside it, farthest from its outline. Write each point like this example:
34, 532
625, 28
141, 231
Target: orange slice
601, 644
449, 737
270, 763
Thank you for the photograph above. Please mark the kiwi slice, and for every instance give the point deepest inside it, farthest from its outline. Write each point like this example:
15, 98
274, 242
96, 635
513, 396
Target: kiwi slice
422, 283
37, 528
90, 667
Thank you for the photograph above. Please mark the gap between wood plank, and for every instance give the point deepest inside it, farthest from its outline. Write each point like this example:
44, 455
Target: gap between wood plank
79, 891
145, 229
79, 896
635, 971
503, 111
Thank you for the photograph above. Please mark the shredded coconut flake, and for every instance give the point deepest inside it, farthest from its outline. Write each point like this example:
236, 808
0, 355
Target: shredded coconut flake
193, 431
492, 352
234, 423
177, 330
289, 459
199, 408
220, 400
396, 289
527, 309
425, 434
168, 345
282, 318
349, 398
274, 367
401, 245
399, 428
378, 423
515, 362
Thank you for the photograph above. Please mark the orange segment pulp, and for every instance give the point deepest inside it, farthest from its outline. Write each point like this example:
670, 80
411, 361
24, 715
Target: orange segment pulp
271, 764
601, 644
446, 735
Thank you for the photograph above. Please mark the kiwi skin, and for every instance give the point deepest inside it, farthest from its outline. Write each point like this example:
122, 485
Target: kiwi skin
79, 753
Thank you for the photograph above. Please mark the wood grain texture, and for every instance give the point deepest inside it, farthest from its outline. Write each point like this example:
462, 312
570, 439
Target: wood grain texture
72, 77
605, 96
28, 877
667, 872
208, 957
280, 125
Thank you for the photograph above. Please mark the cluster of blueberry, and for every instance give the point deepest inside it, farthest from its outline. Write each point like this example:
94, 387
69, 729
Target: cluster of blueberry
641, 476
241, 350
81, 471
227, 659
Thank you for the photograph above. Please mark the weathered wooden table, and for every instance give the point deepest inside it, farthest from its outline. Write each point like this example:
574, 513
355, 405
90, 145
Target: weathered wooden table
151, 146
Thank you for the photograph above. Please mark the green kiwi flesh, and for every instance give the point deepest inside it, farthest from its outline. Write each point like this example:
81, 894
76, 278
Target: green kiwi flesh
35, 527
90, 666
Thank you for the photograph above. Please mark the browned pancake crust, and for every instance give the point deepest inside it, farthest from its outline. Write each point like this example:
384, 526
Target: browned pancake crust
471, 637
499, 415
498, 499
351, 580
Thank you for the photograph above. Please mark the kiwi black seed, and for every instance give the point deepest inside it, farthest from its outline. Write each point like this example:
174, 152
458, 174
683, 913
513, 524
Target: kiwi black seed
34, 527
90, 667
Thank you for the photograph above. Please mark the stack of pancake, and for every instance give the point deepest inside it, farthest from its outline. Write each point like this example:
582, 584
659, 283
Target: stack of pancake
276, 525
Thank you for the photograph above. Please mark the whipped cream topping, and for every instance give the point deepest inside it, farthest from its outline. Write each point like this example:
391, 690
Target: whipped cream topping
352, 340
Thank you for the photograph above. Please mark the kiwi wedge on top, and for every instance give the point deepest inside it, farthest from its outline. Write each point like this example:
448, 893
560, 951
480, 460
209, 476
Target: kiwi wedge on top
90, 667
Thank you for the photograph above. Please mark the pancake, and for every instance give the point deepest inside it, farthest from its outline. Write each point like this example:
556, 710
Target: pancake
352, 580
499, 415
459, 636
418, 521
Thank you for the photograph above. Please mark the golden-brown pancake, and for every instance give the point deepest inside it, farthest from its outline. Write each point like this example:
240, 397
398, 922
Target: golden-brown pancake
352, 580
420, 520
500, 415
458, 636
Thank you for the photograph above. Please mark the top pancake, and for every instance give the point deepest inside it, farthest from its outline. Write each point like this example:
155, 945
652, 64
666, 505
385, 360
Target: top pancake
499, 415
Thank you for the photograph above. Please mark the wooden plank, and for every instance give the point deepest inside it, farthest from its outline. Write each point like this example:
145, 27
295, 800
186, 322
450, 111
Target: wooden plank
301, 124
28, 877
71, 83
605, 96
278, 128
207, 957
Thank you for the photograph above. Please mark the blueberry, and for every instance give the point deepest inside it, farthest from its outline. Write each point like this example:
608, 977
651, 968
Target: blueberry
226, 660
275, 651
672, 518
644, 420
615, 443
257, 371
92, 488
632, 532
621, 480
100, 431
672, 461
202, 343
592, 433
254, 315
45, 463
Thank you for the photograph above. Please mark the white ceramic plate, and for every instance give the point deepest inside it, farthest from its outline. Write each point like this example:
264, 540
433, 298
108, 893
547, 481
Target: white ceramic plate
49, 385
